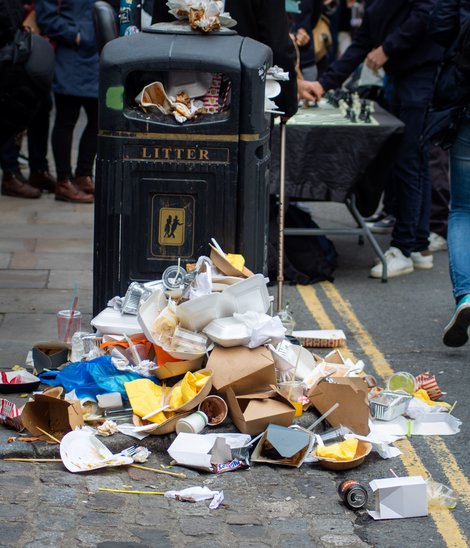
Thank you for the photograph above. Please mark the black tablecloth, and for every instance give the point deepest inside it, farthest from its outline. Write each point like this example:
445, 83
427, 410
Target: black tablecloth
325, 162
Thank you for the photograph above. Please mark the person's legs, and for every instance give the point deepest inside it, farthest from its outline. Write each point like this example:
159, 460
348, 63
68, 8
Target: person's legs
88, 140
456, 331
439, 172
67, 112
411, 172
38, 141
88, 147
13, 182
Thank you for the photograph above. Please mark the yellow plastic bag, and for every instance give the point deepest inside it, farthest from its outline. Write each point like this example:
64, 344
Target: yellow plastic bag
344, 450
188, 389
424, 396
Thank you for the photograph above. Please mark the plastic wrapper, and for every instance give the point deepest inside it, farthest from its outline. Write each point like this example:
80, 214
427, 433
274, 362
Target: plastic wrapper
263, 328
164, 326
440, 496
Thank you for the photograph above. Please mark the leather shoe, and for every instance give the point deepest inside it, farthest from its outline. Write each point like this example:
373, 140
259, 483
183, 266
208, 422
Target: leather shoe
42, 180
14, 184
66, 191
85, 184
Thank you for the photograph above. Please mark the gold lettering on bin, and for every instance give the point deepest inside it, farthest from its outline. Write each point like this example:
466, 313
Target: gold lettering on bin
171, 226
175, 153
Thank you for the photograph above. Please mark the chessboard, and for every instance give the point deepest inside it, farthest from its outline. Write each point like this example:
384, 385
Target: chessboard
336, 108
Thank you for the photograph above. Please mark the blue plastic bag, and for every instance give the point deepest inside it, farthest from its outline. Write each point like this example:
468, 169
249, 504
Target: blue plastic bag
98, 376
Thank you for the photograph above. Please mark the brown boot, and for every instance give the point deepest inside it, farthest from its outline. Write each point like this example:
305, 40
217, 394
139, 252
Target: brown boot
85, 184
42, 180
66, 191
14, 184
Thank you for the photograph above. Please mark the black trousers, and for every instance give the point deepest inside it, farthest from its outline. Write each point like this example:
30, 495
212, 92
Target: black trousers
67, 113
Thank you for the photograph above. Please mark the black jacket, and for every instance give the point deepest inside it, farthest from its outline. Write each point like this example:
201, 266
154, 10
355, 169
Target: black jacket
447, 18
400, 27
307, 19
265, 21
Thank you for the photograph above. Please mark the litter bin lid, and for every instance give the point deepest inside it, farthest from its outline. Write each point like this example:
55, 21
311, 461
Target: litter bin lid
183, 27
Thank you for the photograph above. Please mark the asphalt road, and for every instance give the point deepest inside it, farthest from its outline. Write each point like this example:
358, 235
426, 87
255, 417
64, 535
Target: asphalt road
45, 247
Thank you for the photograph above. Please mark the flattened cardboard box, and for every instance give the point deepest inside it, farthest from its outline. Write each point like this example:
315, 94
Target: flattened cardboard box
52, 415
284, 446
351, 394
244, 370
252, 413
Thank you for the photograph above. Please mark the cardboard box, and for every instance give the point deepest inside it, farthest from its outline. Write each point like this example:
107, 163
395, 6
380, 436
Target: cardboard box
203, 450
351, 394
244, 370
174, 369
285, 446
399, 498
55, 416
253, 413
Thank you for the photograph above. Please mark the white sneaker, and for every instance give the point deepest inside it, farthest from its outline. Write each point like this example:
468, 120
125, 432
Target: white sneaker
436, 242
397, 264
422, 260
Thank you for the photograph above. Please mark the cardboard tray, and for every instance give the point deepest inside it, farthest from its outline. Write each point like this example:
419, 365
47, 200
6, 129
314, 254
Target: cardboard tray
225, 267
174, 369
363, 449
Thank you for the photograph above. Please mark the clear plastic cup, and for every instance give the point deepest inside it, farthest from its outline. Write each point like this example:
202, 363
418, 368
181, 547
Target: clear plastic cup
68, 322
294, 392
402, 380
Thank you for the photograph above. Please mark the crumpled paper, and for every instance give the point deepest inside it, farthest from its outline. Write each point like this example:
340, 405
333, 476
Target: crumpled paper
205, 15
196, 494
154, 97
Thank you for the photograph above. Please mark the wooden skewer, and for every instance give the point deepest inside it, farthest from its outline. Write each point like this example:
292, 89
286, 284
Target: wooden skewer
31, 460
48, 435
131, 492
174, 474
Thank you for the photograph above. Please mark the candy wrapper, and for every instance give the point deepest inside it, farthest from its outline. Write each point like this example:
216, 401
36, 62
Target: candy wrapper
9, 415
428, 383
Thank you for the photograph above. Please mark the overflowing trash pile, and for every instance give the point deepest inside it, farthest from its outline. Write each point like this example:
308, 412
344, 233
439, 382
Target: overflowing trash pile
199, 356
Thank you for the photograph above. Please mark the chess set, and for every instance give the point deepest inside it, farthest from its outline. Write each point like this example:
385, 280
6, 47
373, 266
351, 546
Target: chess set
338, 107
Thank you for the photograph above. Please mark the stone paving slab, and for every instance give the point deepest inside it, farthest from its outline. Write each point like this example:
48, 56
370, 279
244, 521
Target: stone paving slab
50, 261
59, 279
22, 279
64, 245
47, 301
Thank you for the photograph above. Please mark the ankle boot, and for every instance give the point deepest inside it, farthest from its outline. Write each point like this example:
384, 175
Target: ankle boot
85, 184
42, 180
14, 184
66, 191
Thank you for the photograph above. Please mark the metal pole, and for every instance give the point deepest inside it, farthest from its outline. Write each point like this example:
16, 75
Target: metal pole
282, 190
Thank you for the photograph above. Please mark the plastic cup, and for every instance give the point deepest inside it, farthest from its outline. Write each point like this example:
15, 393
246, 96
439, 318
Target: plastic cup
192, 424
215, 408
294, 392
334, 435
402, 380
68, 322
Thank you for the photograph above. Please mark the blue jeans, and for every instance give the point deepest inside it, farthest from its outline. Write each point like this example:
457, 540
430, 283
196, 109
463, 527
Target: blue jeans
459, 217
411, 181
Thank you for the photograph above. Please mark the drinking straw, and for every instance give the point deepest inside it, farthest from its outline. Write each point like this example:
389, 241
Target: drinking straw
156, 470
325, 414
217, 246
72, 314
131, 492
162, 408
295, 371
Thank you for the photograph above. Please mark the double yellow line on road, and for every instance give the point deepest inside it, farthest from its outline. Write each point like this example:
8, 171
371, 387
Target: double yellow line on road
445, 522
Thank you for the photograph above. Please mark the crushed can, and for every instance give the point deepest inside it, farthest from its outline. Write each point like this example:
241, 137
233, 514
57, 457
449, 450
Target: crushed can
353, 494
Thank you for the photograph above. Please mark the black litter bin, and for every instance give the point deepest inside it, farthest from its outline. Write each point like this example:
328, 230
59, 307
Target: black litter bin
164, 189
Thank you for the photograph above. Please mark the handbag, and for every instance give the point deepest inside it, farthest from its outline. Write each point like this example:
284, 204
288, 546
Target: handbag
451, 94
322, 38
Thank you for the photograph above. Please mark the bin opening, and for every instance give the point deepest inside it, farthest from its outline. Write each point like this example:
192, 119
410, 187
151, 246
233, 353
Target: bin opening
178, 97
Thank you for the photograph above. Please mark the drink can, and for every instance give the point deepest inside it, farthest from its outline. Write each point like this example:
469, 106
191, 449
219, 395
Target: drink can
353, 494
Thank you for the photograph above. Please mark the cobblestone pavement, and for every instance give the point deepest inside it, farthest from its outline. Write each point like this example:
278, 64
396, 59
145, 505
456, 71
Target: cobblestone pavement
44, 505
45, 249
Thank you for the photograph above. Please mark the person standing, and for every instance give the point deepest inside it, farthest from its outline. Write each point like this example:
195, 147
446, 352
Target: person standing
394, 35
69, 24
446, 22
